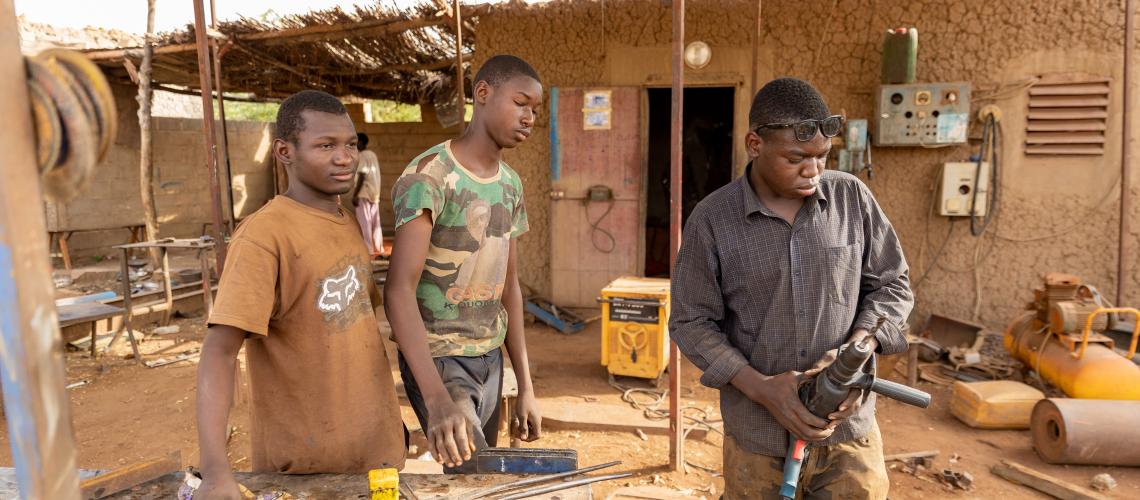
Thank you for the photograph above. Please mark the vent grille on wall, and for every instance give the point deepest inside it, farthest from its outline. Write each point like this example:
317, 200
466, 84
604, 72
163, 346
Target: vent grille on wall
1068, 115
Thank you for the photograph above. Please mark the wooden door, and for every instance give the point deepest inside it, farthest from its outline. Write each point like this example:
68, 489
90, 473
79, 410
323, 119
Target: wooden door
585, 153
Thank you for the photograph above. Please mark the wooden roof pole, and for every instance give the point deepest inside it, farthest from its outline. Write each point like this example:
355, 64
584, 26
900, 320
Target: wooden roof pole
146, 142
35, 401
208, 132
459, 90
676, 433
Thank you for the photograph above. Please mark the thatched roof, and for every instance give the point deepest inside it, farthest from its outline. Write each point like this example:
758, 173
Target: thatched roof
374, 52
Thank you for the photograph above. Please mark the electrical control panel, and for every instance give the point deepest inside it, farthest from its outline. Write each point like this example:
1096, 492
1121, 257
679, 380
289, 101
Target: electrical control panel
922, 114
958, 189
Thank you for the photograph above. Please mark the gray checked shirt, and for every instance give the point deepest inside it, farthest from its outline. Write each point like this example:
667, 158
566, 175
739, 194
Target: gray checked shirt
751, 289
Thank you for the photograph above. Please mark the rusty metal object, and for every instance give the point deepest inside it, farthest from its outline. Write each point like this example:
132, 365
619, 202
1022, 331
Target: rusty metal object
946, 332
1086, 431
1123, 260
676, 434
206, 84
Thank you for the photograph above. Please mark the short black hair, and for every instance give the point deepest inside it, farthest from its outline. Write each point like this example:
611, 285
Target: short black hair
361, 141
289, 121
503, 67
785, 100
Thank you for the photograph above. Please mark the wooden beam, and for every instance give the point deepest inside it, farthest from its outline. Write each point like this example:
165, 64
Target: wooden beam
270, 60
130, 476
197, 93
372, 28
1020, 474
428, 66
36, 404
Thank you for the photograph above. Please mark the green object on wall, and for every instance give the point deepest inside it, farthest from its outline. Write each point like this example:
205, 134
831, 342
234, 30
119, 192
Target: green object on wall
900, 51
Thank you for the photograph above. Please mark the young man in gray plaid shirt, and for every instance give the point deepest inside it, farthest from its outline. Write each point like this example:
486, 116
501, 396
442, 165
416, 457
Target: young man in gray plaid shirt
776, 271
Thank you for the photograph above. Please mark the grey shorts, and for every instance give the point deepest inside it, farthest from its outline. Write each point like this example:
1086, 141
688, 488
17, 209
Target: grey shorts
476, 386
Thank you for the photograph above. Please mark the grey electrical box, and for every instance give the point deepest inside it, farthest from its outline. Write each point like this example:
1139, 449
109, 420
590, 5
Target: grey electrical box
922, 114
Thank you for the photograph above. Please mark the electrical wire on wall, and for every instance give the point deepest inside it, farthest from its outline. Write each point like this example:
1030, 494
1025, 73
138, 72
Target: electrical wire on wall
991, 143
600, 194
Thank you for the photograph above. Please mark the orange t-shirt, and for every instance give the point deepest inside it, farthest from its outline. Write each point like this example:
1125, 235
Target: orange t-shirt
298, 279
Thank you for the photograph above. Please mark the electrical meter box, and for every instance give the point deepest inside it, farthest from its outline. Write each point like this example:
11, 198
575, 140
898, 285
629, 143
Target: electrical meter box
922, 114
635, 326
958, 189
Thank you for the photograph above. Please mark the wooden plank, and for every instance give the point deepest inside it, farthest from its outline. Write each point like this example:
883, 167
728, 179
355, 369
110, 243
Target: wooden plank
1068, 101
1069, 89
913, 454
1064, 138
1065, 125
1064, 149
74, 314
1067, 114
130, 476
1020, 474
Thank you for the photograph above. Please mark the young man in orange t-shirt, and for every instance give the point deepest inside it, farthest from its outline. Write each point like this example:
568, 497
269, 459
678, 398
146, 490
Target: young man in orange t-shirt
297, 291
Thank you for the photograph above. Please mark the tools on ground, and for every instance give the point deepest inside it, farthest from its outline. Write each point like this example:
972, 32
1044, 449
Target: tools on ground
1062, 339
558, 318
523, 493
831, 387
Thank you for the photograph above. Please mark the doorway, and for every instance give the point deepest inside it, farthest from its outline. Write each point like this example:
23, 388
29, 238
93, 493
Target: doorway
706, 137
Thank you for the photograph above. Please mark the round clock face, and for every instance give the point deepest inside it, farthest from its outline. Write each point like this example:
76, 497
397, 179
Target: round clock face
697, 55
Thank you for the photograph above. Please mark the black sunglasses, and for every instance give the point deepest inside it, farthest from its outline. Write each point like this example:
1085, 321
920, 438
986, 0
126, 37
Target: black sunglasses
805, 130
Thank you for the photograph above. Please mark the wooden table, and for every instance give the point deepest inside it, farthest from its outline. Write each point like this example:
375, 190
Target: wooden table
350, 486
89, 312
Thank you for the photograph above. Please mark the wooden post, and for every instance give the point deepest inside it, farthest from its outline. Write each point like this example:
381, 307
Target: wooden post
206, 85
676, 433
225, 142
35, 401
146, 152
460, 92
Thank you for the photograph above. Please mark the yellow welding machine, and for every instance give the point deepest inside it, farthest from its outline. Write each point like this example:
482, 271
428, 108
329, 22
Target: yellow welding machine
635, 326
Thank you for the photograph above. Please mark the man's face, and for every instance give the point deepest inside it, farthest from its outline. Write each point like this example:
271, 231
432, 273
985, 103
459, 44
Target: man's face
325, 155
790, 168
510, 109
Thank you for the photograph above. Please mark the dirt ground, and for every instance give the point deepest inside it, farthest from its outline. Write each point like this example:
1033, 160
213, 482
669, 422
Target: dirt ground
128, 413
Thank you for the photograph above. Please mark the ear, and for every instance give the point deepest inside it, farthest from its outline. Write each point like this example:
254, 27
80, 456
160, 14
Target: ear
482, 92
754, 144
283, 151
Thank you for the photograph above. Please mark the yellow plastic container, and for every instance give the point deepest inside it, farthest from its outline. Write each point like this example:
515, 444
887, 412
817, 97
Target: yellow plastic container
635, 326
997, 404
384, 484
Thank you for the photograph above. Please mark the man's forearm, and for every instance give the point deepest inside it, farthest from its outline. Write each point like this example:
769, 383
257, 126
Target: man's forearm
215, 395
516, 336
408, 327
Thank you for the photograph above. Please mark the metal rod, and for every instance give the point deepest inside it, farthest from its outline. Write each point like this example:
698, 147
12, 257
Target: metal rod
228, 177
1122, 257
756, 37
208, 130
563, 486
35, 399
541, 479
460, 92
676, 434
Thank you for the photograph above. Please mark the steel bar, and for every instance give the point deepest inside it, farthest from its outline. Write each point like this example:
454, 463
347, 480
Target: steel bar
1122, 257
208, 130
216, 51
676, 435
541, 479
563, 486
35, 401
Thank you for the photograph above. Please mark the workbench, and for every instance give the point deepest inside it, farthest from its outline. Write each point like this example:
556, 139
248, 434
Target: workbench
351, 486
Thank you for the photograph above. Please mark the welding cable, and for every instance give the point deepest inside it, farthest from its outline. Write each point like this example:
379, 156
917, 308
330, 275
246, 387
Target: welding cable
991, 143
73, 110
596, 225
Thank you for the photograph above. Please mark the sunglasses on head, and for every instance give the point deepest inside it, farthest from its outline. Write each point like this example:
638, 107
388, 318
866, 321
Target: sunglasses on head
805, 130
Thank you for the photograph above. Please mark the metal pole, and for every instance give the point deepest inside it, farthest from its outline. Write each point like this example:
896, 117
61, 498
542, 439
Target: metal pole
676, 434
217, 53
1122, 270
208, 130
756, 37
31, 354
459, 90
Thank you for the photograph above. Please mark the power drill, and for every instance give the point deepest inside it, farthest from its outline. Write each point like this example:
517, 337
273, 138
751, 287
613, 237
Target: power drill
830, 388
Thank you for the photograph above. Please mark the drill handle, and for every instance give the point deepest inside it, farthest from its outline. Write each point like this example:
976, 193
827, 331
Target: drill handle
896, 391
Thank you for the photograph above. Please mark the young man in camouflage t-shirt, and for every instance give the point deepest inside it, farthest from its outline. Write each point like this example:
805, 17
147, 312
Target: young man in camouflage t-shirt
453, 296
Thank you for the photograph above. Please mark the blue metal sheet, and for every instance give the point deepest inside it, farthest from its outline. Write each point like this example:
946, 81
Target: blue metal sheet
555, 154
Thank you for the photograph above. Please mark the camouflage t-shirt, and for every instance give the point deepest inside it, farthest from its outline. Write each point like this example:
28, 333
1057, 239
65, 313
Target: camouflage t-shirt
473, 220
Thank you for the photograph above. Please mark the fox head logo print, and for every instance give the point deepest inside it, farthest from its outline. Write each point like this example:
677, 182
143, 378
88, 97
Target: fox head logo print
337, 292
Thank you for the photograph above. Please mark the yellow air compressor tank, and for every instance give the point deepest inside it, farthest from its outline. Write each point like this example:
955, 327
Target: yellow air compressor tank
1081, 369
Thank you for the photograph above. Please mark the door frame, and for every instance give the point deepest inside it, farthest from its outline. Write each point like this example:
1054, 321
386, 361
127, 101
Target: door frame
738, 153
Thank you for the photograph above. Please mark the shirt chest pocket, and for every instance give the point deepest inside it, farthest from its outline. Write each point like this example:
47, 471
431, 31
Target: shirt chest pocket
843, 274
